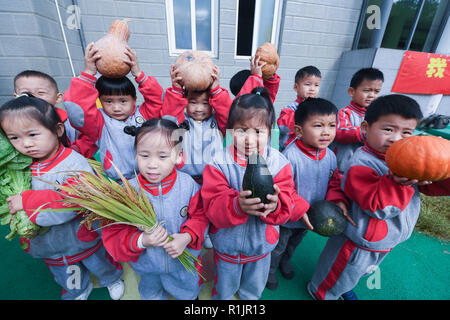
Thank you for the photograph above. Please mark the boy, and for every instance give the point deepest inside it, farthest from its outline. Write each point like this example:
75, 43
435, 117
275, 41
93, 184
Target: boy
365, 86
315, 176
306, 85
43, 86
384, 206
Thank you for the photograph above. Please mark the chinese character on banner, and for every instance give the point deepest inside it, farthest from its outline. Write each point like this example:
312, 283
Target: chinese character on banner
423, 73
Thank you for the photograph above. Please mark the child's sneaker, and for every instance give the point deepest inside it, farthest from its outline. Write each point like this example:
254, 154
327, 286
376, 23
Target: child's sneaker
349, 295
116, 290
308, 288
85, 294
272, 281
286, 269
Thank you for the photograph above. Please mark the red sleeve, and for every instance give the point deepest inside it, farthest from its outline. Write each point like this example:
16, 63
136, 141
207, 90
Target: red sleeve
334, 192
220, 101
152, 93
286, 119
437, 188
84, 146
196, 223
272, 86
120, 241
82, 93
346, 132
376, 194
174, 104
255, 80
220, 201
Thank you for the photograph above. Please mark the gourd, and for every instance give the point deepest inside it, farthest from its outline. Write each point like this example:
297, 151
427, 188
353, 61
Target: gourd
423, 157
326, 218
267, 52
112, 48
196, 69
257, 178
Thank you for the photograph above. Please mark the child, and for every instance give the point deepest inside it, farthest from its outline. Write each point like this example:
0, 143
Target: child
43, 86
35, 129
244, 230
176, 199
306, 85
365, 87
384, 206
106, 126
315, 176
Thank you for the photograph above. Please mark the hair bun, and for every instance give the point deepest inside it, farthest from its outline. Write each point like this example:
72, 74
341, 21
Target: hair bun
131, 130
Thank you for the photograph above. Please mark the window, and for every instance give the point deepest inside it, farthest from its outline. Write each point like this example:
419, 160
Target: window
192, 25
257, 21
411, 24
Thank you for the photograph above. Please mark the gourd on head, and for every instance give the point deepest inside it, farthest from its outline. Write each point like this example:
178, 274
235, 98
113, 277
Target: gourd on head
425, 158
112, 49
267, 53
196, 69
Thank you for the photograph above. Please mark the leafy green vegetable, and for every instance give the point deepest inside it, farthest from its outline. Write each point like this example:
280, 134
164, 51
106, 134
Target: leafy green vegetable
15, 177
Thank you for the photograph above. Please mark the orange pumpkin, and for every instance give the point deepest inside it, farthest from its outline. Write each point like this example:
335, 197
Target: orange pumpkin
112, 50
268, 53
196, 69
425, 158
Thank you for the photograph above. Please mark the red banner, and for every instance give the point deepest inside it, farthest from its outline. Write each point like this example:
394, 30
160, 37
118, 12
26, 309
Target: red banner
423, 73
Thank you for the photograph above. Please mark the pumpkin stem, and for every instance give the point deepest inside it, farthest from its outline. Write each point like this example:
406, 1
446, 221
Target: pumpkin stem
126, 20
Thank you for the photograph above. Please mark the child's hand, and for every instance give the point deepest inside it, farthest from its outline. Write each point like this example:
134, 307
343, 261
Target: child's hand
156, 238
177, 80
305, 220
215, 75
344, 209
406, 181
14, 203
255, 67
176, 247
132, 62
273, 198
254, 206
91, 56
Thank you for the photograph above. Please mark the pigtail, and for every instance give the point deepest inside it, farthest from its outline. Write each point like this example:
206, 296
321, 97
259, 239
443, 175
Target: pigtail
131, 130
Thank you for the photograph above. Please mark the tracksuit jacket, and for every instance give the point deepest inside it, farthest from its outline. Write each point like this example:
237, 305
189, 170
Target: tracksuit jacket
64, 242
286, 122
243, 242
108, 133
348, 134
205, 138
176, 201
385, 214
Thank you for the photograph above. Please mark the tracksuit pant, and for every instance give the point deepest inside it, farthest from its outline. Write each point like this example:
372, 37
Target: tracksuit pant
289, 240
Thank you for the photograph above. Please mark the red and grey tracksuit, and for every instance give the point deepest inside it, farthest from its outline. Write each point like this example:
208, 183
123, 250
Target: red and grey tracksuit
385, 214
69, 249
108, 133
242, 243
176, 202
316, 178
286, 122
348, 134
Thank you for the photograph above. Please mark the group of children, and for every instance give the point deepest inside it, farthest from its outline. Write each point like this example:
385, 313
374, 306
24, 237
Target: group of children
175, 142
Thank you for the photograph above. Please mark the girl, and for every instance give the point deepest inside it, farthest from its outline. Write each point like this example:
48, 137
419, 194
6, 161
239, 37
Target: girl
244, 230
35, 129
105, 126
176, 200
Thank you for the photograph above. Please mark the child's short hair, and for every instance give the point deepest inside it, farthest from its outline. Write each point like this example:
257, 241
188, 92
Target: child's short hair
397, 104
37, 74
245, 106
34, 108
307, 71
115, 87
313, 106
370, 74
237, 81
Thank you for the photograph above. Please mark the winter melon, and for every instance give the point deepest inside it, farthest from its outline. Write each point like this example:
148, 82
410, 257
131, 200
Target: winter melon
257, 178
326, 218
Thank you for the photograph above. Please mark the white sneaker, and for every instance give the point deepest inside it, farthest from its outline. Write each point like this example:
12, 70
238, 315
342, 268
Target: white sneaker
116, 290
86, 293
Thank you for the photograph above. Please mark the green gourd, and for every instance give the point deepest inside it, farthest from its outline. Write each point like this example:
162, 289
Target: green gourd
257, 178
326, 218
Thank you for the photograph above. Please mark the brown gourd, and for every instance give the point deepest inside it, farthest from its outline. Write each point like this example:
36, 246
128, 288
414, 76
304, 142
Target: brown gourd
112, 49
267, 53
196, 69
425, 158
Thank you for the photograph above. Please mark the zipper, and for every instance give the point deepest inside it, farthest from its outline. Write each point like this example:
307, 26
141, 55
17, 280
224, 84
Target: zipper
166, 263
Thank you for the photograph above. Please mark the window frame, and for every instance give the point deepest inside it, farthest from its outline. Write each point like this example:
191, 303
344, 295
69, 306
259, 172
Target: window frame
276, 27
173, 51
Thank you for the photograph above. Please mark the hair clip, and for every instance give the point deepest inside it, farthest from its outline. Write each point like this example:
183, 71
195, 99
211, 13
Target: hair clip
258, 93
